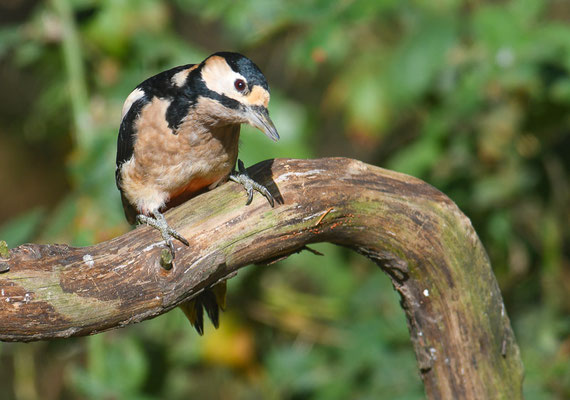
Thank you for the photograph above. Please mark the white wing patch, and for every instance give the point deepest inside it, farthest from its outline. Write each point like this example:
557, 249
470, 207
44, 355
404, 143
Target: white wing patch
179, 78
134, 96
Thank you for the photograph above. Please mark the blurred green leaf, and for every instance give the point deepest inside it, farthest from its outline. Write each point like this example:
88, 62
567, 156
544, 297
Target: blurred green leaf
418, 58
117, 369
9, 37
23, 228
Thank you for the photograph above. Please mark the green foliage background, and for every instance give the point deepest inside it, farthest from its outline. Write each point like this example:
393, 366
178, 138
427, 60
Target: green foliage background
472, 96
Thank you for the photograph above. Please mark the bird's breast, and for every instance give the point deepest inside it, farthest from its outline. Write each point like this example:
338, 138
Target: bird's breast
187, 160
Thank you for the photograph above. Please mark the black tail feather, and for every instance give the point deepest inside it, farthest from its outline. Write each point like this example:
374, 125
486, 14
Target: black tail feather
211, 300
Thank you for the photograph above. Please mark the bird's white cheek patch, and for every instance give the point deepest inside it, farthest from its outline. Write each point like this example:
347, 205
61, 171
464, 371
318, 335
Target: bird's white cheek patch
220, 78
134, 96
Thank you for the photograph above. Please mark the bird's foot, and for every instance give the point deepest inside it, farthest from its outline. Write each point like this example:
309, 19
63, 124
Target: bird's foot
241, 176
159, 222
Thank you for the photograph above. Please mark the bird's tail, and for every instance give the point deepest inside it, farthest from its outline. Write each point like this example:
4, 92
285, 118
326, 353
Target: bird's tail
211, 300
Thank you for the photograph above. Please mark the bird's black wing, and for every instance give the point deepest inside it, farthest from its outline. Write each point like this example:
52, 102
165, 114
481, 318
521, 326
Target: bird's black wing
125, 149
160, 86
126, 139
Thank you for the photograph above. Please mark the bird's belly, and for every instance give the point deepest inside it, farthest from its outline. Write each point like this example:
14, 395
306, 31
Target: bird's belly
187, 172
194, 187
167, 169
193, 176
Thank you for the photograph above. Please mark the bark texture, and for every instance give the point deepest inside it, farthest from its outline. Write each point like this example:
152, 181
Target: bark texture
462, 337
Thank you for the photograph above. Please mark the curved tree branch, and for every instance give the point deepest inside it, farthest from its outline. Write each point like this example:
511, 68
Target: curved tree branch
461, 334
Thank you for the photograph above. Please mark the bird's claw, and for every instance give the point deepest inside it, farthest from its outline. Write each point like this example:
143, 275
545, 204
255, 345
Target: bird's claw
173, 234
159, 222
242, 177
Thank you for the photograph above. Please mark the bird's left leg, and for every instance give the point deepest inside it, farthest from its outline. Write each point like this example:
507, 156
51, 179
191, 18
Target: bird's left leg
159, 222
241, 176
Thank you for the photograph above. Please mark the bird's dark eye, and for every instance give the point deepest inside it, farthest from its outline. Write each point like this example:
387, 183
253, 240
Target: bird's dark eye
239, 85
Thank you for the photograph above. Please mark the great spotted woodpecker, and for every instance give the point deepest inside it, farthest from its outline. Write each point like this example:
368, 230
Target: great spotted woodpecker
179, 136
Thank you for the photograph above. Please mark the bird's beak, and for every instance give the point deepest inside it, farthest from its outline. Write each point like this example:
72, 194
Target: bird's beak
258, 116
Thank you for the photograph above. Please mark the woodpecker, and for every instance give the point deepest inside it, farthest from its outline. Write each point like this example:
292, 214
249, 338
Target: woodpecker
179, 136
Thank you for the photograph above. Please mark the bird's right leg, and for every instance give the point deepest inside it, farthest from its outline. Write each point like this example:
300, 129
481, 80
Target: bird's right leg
158, 221
242, 177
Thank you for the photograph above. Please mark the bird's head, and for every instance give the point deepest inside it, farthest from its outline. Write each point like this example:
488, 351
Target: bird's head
238, 85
